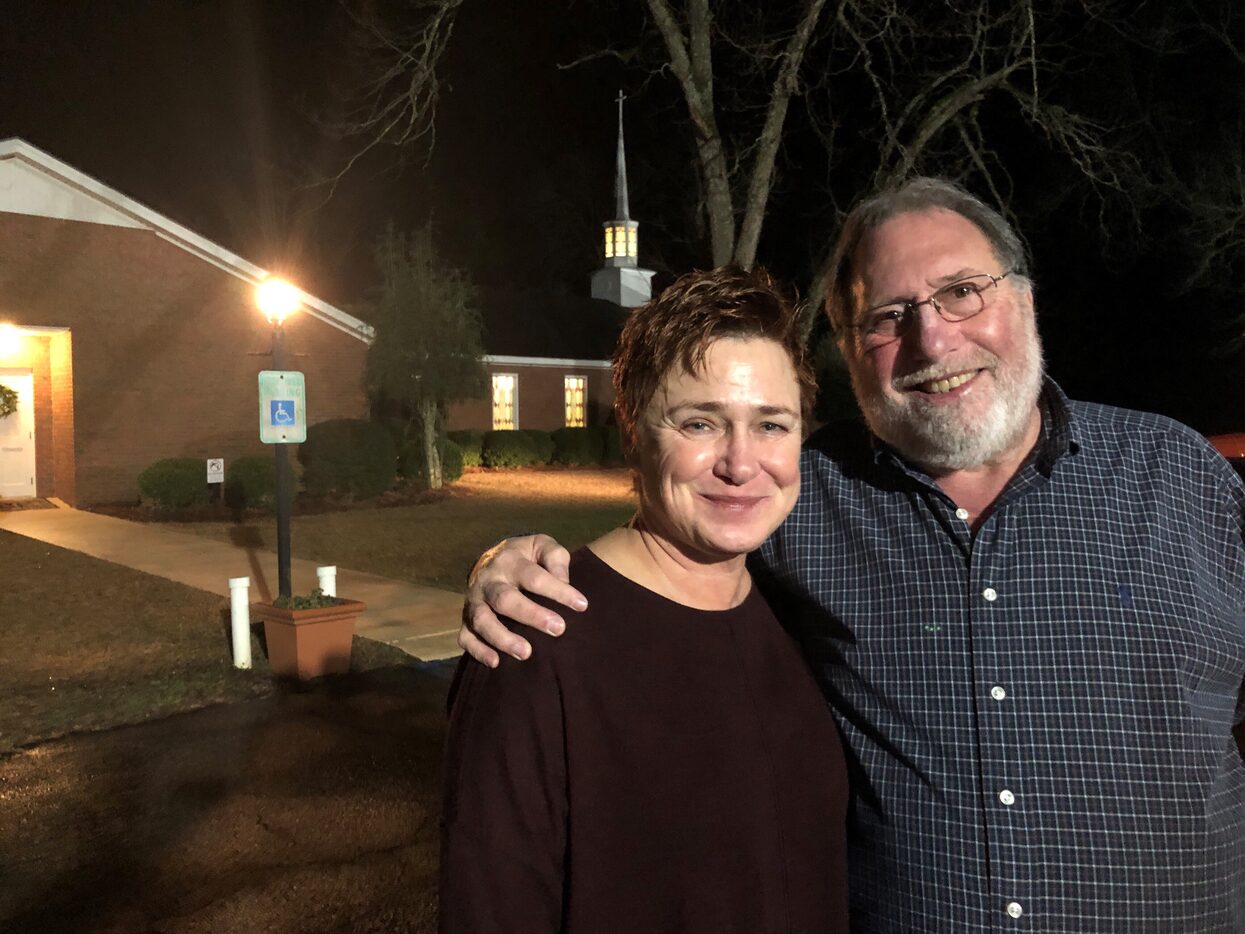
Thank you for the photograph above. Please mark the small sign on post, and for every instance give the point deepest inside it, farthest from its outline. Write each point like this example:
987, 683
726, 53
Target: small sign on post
282, 407
215, 470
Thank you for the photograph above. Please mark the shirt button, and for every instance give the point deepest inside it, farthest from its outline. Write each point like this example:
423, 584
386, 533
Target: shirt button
961, 513
998, 693
1014, 909
990, 594
1007, 797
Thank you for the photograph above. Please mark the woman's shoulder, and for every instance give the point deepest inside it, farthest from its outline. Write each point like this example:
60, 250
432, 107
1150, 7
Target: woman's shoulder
592, 577
588, 574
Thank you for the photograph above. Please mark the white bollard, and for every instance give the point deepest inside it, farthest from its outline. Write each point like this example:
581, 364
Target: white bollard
240, 620
327, 576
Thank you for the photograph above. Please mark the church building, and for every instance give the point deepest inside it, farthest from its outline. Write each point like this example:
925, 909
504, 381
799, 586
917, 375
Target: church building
548, 356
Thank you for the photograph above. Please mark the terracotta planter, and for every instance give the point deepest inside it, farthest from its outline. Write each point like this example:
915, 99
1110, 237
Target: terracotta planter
305, 644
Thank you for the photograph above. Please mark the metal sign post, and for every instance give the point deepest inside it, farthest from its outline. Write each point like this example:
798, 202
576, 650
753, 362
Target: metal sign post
282, 421
216, 474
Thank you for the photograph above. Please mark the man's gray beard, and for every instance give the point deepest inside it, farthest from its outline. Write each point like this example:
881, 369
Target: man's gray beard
935, 437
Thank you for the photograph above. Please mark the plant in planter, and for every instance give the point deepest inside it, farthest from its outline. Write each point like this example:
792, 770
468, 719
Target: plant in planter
308, 636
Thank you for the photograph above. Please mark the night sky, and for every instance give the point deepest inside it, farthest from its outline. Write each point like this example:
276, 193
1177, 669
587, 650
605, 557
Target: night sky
206, 111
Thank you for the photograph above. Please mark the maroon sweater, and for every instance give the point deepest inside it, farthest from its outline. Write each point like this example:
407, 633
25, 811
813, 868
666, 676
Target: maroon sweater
657, 768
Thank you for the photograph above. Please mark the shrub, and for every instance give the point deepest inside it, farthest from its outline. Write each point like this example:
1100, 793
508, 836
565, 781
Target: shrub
251, 482
348, 456
611, 444
469, 442
397, 428
316, 600
451, 461
175, 483
542, 444
578, 446
411, 461
507, 449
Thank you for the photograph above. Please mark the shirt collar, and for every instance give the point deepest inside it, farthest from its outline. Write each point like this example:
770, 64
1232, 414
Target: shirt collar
1059, 428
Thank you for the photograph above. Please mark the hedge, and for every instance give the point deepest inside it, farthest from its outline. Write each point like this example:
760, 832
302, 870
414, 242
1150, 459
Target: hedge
579, 447
411, 461
348, 456
451, 461
469, 443
175, 483
542, 442
508, 449
251, 482
611, 443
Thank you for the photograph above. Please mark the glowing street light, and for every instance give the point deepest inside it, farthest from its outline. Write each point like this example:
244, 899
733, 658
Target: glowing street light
277, 300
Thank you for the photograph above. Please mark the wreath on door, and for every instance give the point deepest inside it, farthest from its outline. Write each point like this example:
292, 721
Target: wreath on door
8, 401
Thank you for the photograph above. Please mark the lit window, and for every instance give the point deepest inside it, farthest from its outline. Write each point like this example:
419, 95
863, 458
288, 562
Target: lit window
575, 387
505, 391
631, 242
609, 242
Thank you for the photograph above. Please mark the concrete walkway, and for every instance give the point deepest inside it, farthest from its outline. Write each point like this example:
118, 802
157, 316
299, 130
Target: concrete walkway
422, 621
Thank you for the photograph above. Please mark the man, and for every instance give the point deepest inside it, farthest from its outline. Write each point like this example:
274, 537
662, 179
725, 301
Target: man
1027, 613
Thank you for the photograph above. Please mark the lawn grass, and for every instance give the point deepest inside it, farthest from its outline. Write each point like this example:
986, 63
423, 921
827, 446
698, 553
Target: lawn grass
91, 645
436, 543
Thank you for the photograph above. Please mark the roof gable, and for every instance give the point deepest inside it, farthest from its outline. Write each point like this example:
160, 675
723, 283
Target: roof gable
35, 183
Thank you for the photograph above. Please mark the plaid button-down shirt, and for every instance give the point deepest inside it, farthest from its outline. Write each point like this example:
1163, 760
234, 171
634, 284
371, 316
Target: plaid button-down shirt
1039, 716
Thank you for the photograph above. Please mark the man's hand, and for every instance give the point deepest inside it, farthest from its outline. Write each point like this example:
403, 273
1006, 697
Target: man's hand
535, 563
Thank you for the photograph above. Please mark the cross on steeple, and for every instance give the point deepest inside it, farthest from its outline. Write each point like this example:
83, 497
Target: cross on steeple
622, 211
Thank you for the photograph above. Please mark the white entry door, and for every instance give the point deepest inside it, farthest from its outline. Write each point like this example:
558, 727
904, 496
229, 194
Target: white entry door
17, 437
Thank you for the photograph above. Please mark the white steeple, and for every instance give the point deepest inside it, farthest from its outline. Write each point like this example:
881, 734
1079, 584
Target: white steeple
621, 280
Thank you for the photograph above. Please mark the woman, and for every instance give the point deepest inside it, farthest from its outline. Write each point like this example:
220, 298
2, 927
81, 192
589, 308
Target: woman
668, 764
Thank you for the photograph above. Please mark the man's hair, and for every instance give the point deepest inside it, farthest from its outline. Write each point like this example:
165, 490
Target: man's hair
914, 197
677, 328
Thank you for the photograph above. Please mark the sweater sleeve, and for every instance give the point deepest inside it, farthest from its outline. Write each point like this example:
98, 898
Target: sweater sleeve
503, 824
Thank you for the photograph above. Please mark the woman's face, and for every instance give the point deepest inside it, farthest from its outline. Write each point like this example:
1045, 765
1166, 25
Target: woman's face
718, 452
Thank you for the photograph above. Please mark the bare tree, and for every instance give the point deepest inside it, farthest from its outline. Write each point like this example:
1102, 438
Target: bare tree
940, 73
689, 38
906, 88
394, 104
889, 89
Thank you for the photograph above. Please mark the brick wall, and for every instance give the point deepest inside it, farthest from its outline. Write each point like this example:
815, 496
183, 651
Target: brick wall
542, 402
165, 350
64, 459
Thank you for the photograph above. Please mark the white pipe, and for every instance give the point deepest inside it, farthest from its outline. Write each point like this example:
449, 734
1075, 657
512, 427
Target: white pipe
240, 620
327, 576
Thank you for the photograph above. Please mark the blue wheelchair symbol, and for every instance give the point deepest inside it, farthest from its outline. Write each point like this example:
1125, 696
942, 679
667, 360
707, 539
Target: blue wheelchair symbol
282, 411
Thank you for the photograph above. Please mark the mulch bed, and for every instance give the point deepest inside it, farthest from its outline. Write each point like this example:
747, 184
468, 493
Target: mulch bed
27, 502
305, 504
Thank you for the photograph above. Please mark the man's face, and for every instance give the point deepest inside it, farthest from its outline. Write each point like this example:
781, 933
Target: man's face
946, 395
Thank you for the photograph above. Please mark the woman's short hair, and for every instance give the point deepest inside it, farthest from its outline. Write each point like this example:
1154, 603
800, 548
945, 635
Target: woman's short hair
678, 327
913, 197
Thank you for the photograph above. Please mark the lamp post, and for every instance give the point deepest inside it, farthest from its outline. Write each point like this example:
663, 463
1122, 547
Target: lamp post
277, 299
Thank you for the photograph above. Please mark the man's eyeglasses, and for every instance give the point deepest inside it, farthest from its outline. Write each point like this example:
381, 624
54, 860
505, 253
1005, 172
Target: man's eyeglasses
955, 302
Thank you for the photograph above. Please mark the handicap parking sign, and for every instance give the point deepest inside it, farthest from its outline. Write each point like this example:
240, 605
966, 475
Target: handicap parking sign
281, 412
282, 407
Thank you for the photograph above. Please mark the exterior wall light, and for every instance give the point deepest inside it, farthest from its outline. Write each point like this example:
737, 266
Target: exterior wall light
10, 340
